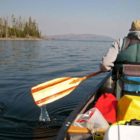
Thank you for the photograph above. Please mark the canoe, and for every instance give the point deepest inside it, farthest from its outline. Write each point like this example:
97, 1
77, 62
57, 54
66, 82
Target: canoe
67, 130
97, 127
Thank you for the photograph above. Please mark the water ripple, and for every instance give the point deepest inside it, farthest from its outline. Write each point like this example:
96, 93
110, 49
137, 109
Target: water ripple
28, 63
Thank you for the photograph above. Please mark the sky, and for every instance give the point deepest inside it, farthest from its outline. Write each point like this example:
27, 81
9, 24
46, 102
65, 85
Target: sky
102, 17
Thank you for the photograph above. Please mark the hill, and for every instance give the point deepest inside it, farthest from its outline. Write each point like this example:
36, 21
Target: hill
80, 37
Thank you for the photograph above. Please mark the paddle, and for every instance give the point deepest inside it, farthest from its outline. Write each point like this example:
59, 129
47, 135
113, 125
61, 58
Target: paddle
53, 90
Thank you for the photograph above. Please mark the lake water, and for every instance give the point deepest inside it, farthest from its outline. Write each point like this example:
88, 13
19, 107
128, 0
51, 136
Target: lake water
24, 64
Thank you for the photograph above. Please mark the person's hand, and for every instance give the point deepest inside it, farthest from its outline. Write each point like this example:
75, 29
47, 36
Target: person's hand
105, 68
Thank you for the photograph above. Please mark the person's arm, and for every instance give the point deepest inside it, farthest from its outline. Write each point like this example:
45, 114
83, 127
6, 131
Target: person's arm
110, 57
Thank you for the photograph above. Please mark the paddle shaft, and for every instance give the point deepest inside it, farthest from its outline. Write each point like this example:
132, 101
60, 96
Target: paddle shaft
92, 74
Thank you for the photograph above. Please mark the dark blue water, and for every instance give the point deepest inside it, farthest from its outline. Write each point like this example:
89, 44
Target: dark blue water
24, 64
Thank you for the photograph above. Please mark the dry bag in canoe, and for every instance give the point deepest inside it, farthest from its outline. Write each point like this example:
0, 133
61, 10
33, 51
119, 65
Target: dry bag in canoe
107, 104
128, 108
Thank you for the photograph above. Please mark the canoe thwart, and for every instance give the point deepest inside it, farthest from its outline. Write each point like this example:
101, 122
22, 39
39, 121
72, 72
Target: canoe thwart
76, 129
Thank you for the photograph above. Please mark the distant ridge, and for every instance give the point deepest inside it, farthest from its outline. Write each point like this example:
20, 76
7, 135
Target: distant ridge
80, 37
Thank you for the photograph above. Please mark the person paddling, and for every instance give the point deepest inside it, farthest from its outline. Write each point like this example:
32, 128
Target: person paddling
116, 54
124, 58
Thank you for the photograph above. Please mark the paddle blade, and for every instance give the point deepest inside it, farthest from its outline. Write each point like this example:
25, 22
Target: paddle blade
53, 90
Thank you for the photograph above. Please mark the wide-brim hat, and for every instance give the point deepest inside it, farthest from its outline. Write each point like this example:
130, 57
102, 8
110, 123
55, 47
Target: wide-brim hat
135, 26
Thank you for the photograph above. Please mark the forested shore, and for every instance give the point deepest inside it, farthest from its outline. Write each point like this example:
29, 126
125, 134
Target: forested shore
18, 28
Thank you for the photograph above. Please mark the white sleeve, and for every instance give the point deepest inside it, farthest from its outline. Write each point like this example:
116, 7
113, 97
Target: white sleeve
110, 57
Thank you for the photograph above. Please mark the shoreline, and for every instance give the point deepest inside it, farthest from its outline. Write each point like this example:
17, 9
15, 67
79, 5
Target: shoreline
37, 39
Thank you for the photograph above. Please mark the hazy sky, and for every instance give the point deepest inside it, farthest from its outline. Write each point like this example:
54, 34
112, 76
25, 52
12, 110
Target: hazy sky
103, 17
